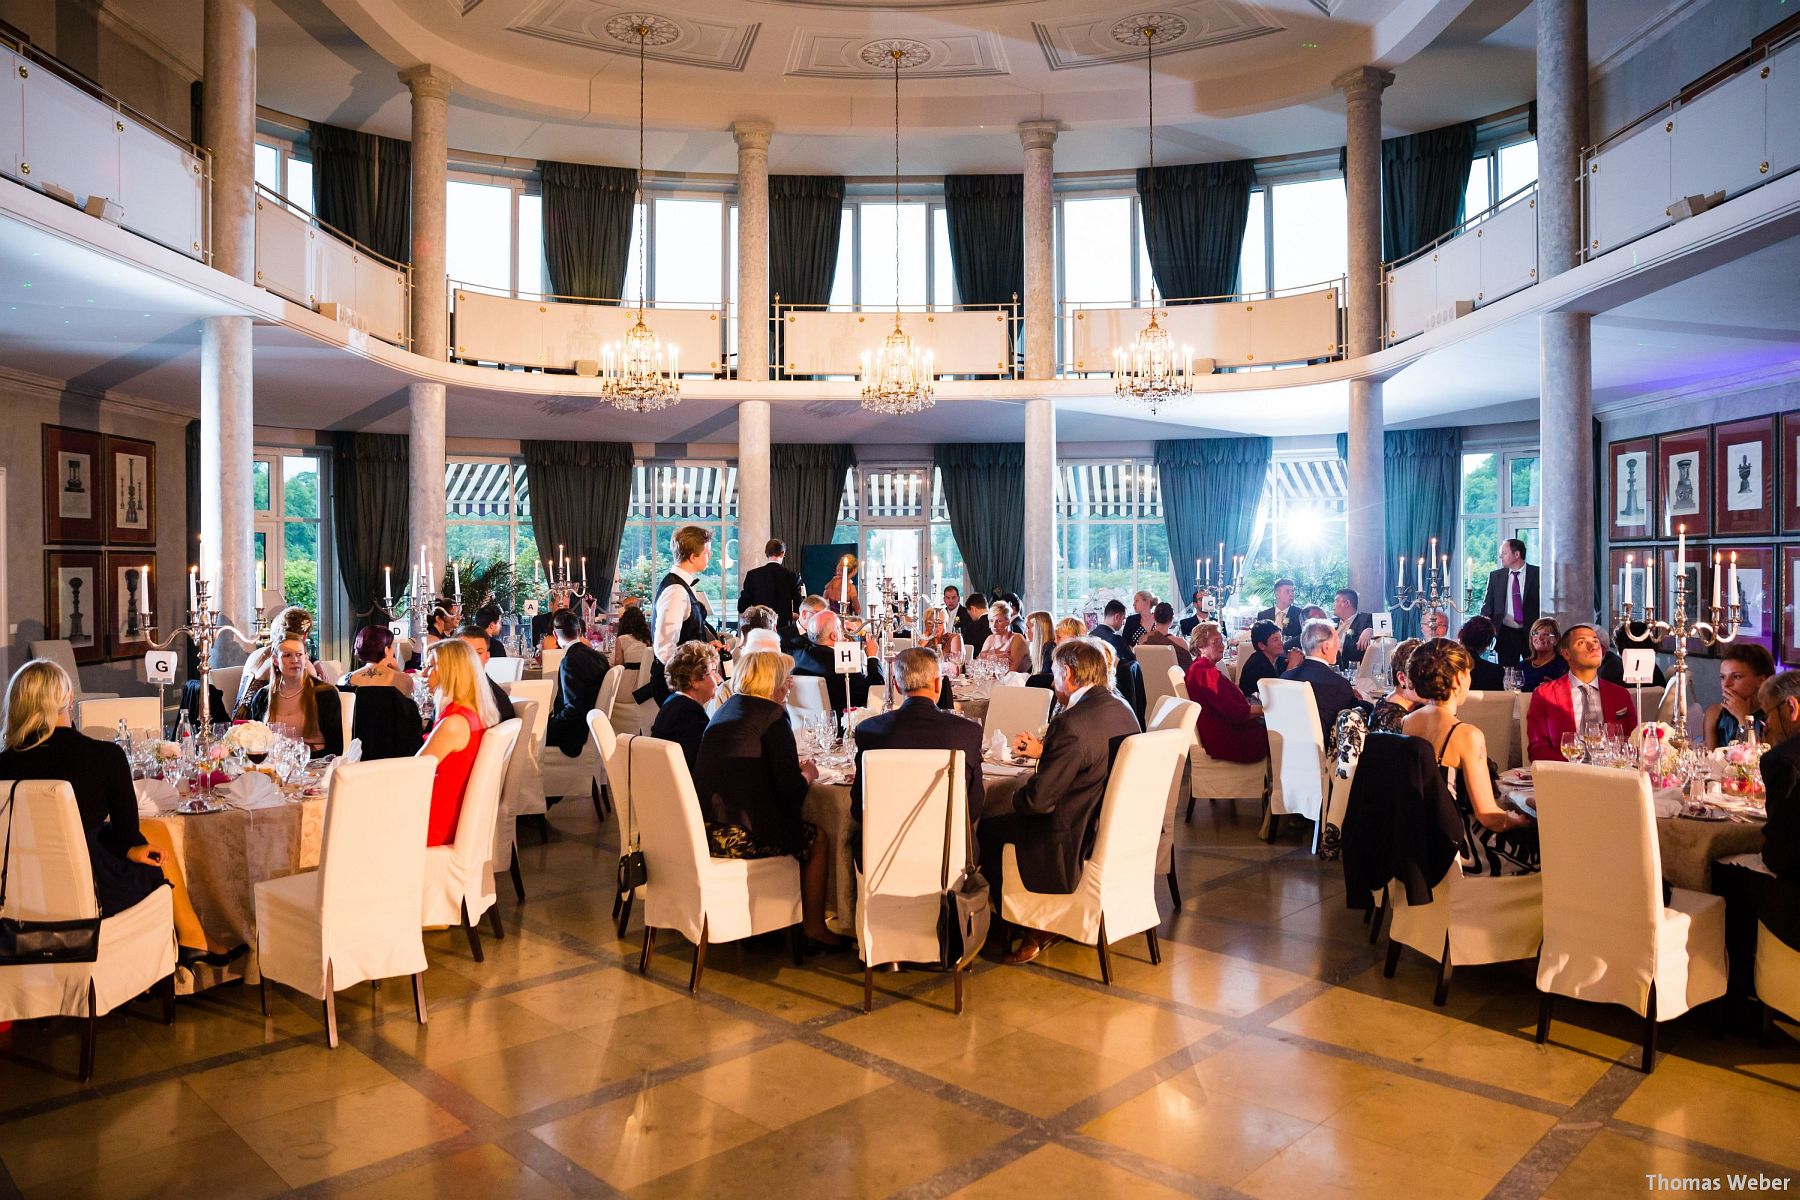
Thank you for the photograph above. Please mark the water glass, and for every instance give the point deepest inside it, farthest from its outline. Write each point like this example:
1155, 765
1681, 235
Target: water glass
1513, 679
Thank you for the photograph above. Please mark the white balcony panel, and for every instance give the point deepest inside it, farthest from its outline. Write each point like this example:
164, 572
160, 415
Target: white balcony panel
1508, 250
575, 331
1411, 296
334, 271
1718, 139
833, 343
381, 298
1459, 269
1233, 333
1222, 332
1289, 329
71, 139
284, 258
12, 114
1628, 188
162, 189
1781, 102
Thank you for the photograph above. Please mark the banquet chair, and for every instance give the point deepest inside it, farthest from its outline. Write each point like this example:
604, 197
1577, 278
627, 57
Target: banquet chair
459, 886
1212, 778
550, 662
565, 776
505, 670
1471, 920
100, 718
1172, 712
228, 680
1015, 710
1608, 936
50, 878
331, 670
914, 801
1496, 715
1156, 662
704, 899
60, 652
1117, 886
1777, 978
355, 917
807, 695
604, 741
1297, 766
516, 792
532, 801
347, 716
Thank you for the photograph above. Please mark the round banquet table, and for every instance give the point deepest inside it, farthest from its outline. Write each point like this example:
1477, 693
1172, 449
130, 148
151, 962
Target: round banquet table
1690, 847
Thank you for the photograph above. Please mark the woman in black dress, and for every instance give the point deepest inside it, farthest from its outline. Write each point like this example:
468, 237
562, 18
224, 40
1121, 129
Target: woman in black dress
694, 676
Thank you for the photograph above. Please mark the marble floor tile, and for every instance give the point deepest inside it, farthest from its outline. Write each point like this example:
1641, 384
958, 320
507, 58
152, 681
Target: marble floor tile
635, 1139
96, 1132
329, 1137
1053, 1173
1205, 1132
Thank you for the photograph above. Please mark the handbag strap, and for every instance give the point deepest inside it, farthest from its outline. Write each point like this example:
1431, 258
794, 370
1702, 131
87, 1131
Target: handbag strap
12, 798
949, 816
631, 832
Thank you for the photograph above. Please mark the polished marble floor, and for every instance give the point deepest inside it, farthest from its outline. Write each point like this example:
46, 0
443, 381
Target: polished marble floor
1266, 1056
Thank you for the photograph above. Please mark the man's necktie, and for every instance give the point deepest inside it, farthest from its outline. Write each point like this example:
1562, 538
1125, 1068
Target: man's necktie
1518, 602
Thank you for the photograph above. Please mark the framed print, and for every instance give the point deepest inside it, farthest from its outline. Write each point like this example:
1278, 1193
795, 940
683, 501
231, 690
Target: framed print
1699, 560
1626, 580
75, 602
1790, 476
1755, 591
130, 491
1632, 492
1788, 653
130, 599
73, 485
1744, 478
1682, 479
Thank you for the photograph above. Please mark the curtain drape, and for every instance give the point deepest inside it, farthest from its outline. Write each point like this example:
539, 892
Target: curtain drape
362, 185
580, 497
368, 515
1424, 177
986, 217
1195, 228
806, 489
805, 215
1210, 490
191, 552
587, 228
1423, 476
984, 489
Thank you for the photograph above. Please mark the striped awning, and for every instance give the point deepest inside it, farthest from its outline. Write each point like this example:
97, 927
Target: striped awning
1126, 490
1318, 480
668, 492
893, 492
485, 490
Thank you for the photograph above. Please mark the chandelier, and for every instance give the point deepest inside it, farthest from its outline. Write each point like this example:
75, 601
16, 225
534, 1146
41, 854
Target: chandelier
896, 375
635, 374
1151, 370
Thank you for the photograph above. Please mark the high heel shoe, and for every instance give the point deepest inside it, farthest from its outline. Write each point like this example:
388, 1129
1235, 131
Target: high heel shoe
190, 956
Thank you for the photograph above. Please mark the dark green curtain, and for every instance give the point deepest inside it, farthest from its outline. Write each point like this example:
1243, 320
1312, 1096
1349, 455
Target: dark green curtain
1424, 178
984, 489
580, 497
368, 516
806, 489
1195, 225
362, 185
986, 215
587, 229
805, 214
1423, 476
1210, 490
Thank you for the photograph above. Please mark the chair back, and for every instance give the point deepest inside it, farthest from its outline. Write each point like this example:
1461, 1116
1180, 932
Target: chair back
551, 662
1493, 714
60, 652
1155, 663
49, 877
1172, 712
668, 820
505, 670
806, 693
905, 796
372, 855
605, 741
228, 680
347, 715
1015, 710
607, 699
100, 718
474, 840
1296, 747
540, 692
1178, 683
330, 669
1124, 864
518, 766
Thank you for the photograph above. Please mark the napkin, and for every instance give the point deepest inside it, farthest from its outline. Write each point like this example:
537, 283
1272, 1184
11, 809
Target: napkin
997, 749
154, 796
352, 752
252, 789
1667, 802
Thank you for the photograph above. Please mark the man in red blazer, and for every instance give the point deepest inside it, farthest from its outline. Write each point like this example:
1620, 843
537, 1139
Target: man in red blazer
1557, 707
1228, 728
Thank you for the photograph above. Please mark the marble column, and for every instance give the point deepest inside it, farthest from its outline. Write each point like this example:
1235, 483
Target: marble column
1039, 140
430, 87
1040, 504
753, 485
753, 266
1562, 104
1367, 510
1566, 450
227, 414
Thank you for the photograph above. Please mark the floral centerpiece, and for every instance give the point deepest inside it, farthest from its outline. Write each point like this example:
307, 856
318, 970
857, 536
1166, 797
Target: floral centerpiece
1653, 749
166, 751
1740, 768
253, 738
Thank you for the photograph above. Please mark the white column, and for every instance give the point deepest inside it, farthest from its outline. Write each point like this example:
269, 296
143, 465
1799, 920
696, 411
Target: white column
753, 269
430, 88
753, 485
1566, 436
1039, 140
1367, 511
1562, 102
227, 415
1040, 504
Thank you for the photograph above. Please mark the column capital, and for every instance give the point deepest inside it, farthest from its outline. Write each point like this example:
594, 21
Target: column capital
1037, 135
428, 82
1363, 83
752, 135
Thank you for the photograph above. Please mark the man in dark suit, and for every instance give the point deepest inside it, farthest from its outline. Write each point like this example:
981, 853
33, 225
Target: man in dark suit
544, 623
577, 686
1512, 602
1056, 813
973, 624
1112, 620
1355, 628
954, 612
1476, 635
487, 619
1331, 691
1265, 659
919, 724
773, 585
477, 638
1284, 613
816, 656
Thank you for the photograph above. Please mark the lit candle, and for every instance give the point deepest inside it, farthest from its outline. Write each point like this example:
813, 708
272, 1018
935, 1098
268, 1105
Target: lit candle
144, 592
1419, 573
1734, 591
262, 580
1468, 570
1628, 583
387, 577
584, 571
562, 567
844, 581
455, 579
1445, 565
193, 589
1649, 585
431, 578
1681, 551
1434, 553
1718, 561
1221, 557
1401, 582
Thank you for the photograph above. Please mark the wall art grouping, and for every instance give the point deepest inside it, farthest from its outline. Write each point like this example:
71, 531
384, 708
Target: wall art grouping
99, 490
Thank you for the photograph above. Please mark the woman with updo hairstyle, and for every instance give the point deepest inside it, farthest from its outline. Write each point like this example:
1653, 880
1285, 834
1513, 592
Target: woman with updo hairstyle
374, 651
1496, 840
1392, 710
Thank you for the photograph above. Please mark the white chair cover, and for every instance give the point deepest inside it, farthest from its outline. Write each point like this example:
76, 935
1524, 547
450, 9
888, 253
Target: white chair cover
1155, 663
459, 873
60, 652
51, 879
347, 715
1296, 748
1607, 935
1173, 713
521, 792
1210, 778
359, 911
100, 718
1497, 714
1015, 710
565, 776
1777, 973
229, 680
807, 694
638, 715
603, 740
898, 889
1117, 884
506, 669
1486, 919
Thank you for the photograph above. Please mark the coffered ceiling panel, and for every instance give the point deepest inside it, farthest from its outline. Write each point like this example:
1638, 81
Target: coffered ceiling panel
1194, 25
828, 55
679, 38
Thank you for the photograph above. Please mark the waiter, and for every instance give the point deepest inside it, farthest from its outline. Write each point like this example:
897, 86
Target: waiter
1284, 614
774, 586
1512, 602
679, 615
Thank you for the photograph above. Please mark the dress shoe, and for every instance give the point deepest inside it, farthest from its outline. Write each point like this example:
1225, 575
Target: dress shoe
189, 956
1030, 946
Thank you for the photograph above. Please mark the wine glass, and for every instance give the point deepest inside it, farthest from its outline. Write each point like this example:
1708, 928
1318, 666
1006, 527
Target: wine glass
1571, 746
1593, 737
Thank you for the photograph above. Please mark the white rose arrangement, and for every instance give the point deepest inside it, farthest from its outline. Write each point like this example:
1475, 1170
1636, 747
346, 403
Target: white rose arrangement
251, 737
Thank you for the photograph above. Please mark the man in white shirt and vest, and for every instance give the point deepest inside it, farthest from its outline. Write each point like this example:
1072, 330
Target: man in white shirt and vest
1512, 602
679, 614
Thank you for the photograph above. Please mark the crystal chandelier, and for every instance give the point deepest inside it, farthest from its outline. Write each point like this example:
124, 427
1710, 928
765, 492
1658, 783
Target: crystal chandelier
896, 375
1151, 370
635, 375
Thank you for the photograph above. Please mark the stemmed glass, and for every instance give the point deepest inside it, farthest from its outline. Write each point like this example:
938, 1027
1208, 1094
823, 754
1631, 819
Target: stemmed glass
1571, 746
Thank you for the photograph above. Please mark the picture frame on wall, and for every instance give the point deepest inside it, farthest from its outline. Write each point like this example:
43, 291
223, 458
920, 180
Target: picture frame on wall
75, 602
1756, 587
1790, 478
74, 485
1788, 654
130, 581
1684, 482
1744, 478
1631, 474
130, 491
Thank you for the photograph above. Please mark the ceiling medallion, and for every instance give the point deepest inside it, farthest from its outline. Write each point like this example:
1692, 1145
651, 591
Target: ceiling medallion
656, 31
892, 53
1141, 29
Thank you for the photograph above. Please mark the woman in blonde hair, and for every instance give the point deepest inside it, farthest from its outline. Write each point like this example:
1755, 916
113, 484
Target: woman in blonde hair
465, 711
941, 635
41, 744
1040, 636
1003, 645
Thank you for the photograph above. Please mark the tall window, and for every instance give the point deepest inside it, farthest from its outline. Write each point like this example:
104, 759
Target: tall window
1099, 249
282, 172
1500, 495
286, 499
1308, 235
1300, 530
494, 233
1110, 538
865, 263
1496, 174
488, 525
896, 514
664, 497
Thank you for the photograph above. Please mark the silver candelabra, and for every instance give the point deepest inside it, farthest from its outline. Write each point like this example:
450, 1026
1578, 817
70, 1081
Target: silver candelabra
1720, 627
1430, 589
895, 608
204, 628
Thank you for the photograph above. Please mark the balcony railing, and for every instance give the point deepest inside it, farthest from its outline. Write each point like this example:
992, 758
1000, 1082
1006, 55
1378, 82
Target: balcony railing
1252, 329
555, 333
307, 261
968, 340
1492, 254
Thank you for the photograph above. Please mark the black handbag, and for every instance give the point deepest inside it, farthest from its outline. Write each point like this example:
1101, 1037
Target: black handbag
964, 908
633, 873
37, 943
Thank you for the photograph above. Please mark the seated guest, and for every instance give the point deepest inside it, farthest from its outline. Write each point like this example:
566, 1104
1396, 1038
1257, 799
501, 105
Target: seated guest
1003, 645
1056, 812
756, 625
973, 626
940, 634
190, 703
487, 619
1138, 623
817, 659
1496, 840
1286, 617
578, 682
1541, 661
1311, 612
1068, 627
1228, 730
1197, 611
752, 784
374, 651
631, 640
919, 724
1162, 616
1125, 676
543, 635
1434, 623
1318, 639
296, 698
1743, 668
1476, 635
1393, 708
1040, 636
1577, 699
694, 676
465, 712
1355, 628
953, 605
1266, 659
1112, 620
260, 664
478, 642
39, 743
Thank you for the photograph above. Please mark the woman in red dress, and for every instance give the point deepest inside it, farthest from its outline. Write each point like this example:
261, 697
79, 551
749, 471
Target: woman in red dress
465, 711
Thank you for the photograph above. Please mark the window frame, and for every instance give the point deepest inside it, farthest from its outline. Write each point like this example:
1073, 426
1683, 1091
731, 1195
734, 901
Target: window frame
1510, 520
